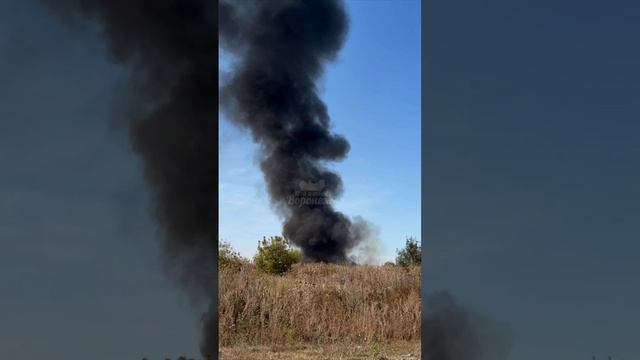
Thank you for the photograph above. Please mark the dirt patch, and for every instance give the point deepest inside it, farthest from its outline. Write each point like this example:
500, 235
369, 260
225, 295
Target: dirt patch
393, 351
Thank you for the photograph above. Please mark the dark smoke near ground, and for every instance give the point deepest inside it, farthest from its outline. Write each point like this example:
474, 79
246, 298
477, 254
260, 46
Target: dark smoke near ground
280, 50
454, 332
171, 47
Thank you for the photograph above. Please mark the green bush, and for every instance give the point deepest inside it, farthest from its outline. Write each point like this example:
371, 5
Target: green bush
275, 255
229, 258
411, 254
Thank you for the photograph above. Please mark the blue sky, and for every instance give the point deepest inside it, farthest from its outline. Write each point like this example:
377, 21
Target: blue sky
532, 148
80, 265
373, 95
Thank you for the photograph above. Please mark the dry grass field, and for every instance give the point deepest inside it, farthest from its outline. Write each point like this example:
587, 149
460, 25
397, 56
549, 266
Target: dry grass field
320, 311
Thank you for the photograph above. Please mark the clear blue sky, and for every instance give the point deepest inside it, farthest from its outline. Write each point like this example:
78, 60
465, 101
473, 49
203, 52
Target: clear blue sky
373, 95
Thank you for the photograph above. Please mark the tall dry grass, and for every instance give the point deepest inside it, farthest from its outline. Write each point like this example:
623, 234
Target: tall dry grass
319, 303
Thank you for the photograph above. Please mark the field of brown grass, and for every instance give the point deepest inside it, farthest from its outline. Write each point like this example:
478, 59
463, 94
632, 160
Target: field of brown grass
322, 308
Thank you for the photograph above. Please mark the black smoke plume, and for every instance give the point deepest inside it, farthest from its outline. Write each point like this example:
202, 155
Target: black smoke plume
280, 50
171, 46
454, 332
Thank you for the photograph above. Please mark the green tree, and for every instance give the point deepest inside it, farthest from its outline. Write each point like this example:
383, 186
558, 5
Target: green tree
275, 255
229, 258
411, 254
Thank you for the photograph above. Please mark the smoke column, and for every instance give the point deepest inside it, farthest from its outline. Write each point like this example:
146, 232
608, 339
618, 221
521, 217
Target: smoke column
454, 332
171, 47
281, 48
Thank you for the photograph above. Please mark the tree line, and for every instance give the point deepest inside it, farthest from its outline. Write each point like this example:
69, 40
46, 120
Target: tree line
276, 255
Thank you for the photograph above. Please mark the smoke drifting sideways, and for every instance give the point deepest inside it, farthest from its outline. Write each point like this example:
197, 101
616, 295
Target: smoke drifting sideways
171, 47
453, 332
280, 50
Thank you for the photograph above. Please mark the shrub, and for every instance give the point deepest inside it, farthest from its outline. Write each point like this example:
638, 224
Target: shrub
411, 254
229, 258
275, 256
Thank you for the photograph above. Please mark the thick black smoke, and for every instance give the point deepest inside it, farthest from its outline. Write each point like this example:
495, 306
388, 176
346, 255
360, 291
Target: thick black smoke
454, 332
171, 45
280, 49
